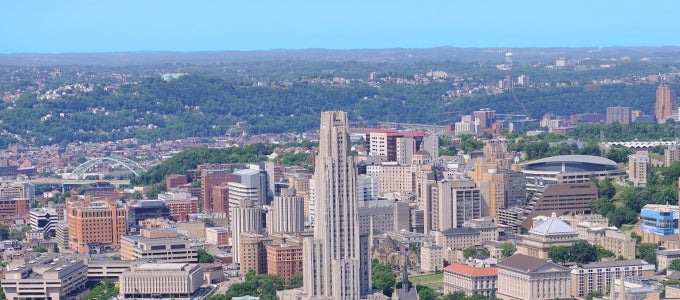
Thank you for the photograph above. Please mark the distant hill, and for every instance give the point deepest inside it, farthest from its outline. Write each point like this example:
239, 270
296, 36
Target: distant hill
362, 55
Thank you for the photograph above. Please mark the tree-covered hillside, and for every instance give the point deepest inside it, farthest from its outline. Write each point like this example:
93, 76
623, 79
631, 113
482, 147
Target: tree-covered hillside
209, 106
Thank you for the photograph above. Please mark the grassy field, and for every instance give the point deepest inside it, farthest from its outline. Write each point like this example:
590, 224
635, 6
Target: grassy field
433, 281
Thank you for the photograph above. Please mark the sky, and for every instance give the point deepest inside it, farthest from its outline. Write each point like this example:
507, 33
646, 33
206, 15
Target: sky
78, 26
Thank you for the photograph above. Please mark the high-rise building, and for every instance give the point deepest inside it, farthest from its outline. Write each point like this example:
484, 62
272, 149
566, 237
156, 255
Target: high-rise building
638, 168
210, 178
220, 196
486, 117
618, 114
333, 268
665, 103
287, 213
94, 224
246, 219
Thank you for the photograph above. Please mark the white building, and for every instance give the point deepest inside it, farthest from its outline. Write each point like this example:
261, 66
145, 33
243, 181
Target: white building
45, 278
169, 280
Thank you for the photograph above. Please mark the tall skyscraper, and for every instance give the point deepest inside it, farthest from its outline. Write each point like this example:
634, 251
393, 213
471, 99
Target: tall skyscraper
333, 268
665, 103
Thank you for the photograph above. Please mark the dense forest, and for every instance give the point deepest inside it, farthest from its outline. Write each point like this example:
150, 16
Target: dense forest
208, 106
276, 95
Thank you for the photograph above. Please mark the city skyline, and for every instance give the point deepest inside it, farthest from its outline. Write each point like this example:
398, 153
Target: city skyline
78, 26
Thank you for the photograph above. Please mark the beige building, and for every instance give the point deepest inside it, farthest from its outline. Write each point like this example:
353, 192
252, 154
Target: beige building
218, 236
167, 280
665, 257
287, 213
614, 240
431, 258
450, 203
45, 278
638, 168
337, 264
469, 280
597, 276
618, 114
100, 270
95, 224
395, 178
253, 252
158, 244
671, 154
549, 233
595, 229
522, 277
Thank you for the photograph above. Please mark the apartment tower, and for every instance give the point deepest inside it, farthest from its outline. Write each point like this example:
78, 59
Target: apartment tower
287, 213
665, 103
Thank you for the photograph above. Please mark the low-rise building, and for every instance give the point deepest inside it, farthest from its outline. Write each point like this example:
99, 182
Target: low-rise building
218, 236
665, 257
160, 245
46, 278
597, 276
100, 270
469, 280
166, 280
523, 277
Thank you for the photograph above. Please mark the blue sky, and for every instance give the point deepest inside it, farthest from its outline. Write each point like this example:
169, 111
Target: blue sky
48, 26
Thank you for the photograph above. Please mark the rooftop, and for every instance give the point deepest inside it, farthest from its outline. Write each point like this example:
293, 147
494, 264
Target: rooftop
553, 226
526, 264
577, 159
470, 271
162, 267
613, 264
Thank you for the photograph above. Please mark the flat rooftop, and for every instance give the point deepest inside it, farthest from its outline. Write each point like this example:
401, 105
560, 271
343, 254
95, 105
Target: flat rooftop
162, 267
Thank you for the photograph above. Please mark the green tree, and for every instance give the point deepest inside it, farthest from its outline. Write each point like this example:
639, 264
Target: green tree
594, 294
469, 251
383, 277
295, 281
675, 265
606, 188
558, 253
39, 249
4, 232
204, 256
646, 252
582, 252
622, 215
454, 296
262, 285
425, 293
602, 252
105, 290
209, 222
508, 249
637, 237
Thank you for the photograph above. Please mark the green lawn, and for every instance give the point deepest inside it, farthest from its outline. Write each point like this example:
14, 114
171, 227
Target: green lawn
627, 227
433, 281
